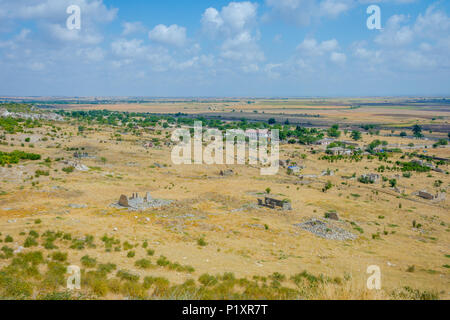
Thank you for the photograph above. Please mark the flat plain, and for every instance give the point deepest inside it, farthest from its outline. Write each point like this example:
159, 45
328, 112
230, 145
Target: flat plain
213, 240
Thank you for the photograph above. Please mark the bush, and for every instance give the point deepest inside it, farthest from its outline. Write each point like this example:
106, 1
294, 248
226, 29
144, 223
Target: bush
143, 264
162, 261
327, 186
59, 256
207, 280
201, 242
30, 242
106, 268
126, 275
14, 288
88, 262
159, 282
68, 169
7, 252
55, 275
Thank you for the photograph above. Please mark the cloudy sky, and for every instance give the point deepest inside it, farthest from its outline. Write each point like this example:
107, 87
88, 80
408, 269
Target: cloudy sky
220, 48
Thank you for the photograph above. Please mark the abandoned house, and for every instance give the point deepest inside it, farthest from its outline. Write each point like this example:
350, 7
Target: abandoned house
274, 203
293, 169
338, 151
324, 142
81, 155
136, 203
370, 177
429, 196
135, 200
226, 173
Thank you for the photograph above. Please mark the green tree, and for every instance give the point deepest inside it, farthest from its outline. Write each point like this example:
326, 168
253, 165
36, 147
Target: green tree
417, 130
393, 183
334, 131
356, 135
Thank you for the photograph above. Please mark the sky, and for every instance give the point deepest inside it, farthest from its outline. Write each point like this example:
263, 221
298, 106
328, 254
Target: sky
264, 48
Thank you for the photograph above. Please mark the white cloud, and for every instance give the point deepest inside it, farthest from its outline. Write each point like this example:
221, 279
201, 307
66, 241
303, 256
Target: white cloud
91, 54
173, 35
338, 58
334, 8
211, 21
242, 47
311, 47
37, 66
54, 10
236, 25
303, 12
234, 18
394, 34
128, 48
62, 34
132, 27
408, 44
50, 16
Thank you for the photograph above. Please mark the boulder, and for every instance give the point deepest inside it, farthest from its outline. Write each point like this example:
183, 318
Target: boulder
123, 201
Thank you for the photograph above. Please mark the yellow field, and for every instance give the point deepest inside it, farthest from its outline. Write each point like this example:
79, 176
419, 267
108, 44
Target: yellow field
241, 237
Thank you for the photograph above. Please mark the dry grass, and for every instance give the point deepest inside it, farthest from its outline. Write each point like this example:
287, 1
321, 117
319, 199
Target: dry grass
221, 211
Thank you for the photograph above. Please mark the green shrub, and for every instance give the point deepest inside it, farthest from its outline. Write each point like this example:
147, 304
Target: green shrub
30, 242
7, 253
106, 268
160, 283
162, 261
143, 264
14, 288
88, 262
127, 246
207, 280
201, 242
128, 276
55, 275
33, 234
59, 256
68, 169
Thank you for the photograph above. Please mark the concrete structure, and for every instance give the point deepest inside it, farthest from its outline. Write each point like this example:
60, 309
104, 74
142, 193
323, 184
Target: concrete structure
429, 196
81, 155
226, 173
135, 201
324, 142
370, 177
273, 203
337, 151
293, 169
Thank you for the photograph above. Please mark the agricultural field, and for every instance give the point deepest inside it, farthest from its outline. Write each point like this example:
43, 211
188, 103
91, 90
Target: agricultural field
355, 201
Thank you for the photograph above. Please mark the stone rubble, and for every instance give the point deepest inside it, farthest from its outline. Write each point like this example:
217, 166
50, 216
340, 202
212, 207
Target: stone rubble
326, 230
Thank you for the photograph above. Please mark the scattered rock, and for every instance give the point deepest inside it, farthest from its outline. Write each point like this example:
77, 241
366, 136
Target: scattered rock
77, 206
326, 230
19, 249
136, 203
226, 173
332, 215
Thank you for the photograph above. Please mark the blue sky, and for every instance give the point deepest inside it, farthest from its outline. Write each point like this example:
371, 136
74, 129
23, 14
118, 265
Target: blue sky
264, 48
